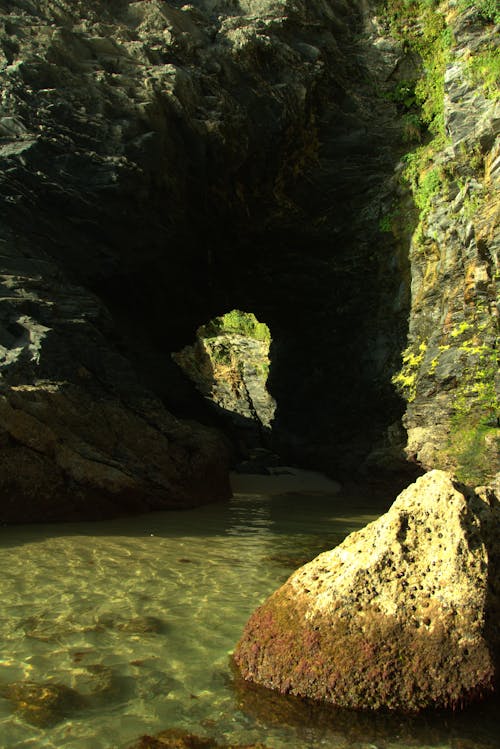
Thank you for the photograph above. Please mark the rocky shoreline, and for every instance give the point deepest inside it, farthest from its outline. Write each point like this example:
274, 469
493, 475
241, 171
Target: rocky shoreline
162, 164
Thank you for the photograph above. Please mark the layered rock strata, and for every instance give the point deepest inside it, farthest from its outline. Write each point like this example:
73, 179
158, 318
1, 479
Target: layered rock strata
184, 160
402, 615
79, 436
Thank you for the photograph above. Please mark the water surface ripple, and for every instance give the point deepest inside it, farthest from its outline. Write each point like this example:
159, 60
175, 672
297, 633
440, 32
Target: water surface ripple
139, 616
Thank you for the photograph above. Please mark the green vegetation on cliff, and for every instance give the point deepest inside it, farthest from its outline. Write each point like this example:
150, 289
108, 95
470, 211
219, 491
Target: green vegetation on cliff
484, 70
238, 323
487, 9
422, 29
451, 364
474, 426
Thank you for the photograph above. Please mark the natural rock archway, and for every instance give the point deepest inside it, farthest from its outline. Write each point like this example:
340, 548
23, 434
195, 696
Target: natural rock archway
162, 162
229, 365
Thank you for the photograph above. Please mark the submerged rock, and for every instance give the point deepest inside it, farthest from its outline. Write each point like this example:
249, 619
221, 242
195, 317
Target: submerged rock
139, 625
402, 615
174, 738
44, 704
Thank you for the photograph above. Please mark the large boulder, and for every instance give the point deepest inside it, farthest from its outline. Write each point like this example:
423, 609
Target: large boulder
402, 615
67, 454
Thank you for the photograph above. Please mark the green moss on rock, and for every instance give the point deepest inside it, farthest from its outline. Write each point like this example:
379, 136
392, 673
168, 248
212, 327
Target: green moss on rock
238, 323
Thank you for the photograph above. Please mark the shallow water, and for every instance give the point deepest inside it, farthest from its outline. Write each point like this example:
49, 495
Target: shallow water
139, 616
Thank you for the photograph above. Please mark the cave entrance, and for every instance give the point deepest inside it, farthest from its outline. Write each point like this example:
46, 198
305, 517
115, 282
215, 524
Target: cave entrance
229, 364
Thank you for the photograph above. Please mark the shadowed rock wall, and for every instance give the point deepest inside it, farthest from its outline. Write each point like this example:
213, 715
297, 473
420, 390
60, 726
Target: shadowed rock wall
164, 163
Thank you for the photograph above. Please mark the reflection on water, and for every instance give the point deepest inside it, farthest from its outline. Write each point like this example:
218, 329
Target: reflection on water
116, 629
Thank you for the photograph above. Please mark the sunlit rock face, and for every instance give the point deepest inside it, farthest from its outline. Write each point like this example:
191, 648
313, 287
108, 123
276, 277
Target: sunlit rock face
450, 368
229, 364
402, 615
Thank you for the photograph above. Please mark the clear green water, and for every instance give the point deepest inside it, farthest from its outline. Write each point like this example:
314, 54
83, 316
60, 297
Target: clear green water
139, 615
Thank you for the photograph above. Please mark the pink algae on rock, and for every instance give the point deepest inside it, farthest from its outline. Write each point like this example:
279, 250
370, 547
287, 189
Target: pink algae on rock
401, 615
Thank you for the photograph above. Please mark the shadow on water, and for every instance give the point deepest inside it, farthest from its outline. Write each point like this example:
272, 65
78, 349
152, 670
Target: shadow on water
286, 514
474, 728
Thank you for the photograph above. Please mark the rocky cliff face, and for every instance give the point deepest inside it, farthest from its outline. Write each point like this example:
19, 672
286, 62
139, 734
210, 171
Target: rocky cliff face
450, 368
162, 164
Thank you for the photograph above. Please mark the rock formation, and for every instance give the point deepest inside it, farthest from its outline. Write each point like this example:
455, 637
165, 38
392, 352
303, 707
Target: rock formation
177, 739
162, 164
450, 368
229, 364
402, 615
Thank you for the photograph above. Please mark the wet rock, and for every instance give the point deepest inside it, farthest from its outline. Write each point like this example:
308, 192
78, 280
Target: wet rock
155, 683
46, 628
45, 704
143, 625
177, 739
136, 625
286, 560
174, 739
95, 680
402, 615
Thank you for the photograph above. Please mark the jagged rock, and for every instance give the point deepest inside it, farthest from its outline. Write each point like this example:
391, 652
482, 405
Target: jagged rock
450, 369
402, 615
117, 125
151, 151
175, 161
229, 364
79, 436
